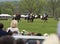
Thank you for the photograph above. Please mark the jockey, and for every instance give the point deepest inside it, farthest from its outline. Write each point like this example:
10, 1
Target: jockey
44, 15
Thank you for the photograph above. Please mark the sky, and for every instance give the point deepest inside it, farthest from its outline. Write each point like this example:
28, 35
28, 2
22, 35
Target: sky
8, 0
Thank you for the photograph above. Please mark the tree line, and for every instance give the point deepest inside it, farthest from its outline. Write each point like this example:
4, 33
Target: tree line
38, 7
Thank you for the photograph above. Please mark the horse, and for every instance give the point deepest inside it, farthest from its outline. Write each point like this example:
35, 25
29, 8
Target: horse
30, 18
16, 17
44, 18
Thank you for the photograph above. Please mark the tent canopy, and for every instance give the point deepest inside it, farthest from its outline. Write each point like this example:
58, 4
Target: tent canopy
5, 15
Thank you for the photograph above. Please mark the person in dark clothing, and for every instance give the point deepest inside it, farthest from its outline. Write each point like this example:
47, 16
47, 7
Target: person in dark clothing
20, 41
18, 17
39, 34
41, 40
32, 19
7, 40
2, 32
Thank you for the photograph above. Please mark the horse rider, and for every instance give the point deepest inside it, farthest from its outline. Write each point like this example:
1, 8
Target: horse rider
18, 16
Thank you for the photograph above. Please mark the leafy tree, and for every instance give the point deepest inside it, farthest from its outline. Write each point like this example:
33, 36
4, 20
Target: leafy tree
7, 7
31, 6
53, 5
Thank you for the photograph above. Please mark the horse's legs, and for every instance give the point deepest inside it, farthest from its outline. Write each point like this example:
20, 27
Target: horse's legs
42, 19
31, 20
45, 20
28, 19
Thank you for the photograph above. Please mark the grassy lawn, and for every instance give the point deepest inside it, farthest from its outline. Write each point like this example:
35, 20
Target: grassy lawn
37, 26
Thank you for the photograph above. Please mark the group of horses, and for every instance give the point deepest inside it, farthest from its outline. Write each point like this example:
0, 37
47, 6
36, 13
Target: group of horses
42, 17
31, 18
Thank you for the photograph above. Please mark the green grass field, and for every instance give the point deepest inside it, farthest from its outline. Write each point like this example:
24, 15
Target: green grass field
37, 26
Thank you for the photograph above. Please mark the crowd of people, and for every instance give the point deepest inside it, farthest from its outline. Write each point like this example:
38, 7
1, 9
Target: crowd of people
6, 35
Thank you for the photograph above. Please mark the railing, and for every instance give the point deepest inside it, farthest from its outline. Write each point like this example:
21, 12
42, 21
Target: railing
30, 38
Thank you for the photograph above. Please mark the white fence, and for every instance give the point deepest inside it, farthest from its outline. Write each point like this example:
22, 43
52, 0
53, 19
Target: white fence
28, 38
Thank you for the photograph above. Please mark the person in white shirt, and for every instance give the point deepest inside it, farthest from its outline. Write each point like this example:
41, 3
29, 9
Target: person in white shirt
44, 15
13, 27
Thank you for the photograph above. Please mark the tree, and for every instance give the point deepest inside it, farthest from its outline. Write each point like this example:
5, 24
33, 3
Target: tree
53, 5
31, 6
27, 6
7, 7
7, 11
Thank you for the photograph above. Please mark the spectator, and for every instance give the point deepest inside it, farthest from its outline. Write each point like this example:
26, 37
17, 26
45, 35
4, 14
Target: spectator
20, 41
23, 32
2, 32
39, 34
7, 40
58, 29
39, 41
33, 34
1, 41
29, 33
46, 34
13, 28
52, 39
31, 41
